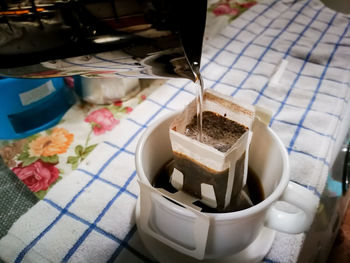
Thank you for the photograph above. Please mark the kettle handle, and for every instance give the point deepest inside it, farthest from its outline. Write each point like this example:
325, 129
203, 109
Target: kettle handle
148, 196
294, 212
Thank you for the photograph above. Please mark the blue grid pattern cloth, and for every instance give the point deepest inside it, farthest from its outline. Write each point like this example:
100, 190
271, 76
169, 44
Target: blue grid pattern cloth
89, 215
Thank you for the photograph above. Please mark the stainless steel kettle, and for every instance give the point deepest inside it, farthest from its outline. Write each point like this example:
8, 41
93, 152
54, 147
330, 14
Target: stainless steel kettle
124, 38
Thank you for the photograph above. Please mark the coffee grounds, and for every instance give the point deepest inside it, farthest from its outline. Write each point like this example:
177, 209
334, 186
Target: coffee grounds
217, 131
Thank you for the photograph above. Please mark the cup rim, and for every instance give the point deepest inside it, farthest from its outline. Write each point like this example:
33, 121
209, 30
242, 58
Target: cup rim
274, 196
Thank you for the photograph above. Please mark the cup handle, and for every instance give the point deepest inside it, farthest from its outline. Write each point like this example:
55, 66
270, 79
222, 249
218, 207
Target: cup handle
201, 226
294, 212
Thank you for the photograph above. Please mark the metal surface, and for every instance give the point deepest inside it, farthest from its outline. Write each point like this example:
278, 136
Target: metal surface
333, 204
346, 170
342, 6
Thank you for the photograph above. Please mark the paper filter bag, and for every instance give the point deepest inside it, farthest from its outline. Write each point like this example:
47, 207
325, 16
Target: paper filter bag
212, 172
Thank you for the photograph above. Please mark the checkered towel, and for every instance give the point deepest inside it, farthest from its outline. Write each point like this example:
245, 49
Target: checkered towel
89, 216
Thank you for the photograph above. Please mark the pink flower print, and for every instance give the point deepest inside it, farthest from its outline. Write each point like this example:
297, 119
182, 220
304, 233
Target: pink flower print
248, 5
118, 103
69, 81
102, 120
128, 109
225, 9
234, 12
222, 9
38, 175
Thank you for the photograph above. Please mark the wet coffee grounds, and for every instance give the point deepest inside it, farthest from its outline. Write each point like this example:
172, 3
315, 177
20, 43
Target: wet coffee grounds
217, 131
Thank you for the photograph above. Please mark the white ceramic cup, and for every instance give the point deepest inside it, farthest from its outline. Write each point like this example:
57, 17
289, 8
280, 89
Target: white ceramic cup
287, 207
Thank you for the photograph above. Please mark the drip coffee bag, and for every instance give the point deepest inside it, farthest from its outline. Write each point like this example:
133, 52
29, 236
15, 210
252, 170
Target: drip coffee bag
214, 169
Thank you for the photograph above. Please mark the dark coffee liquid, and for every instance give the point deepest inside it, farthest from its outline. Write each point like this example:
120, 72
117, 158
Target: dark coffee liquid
217, 131
195, 174
253, 187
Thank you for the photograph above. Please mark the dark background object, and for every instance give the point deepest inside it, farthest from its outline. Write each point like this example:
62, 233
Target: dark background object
37, 31
15, 196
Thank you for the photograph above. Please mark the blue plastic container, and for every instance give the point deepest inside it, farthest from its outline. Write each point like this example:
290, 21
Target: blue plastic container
28, 106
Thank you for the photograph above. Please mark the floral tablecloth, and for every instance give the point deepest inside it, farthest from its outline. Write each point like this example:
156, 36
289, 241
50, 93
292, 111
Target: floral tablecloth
42, 159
